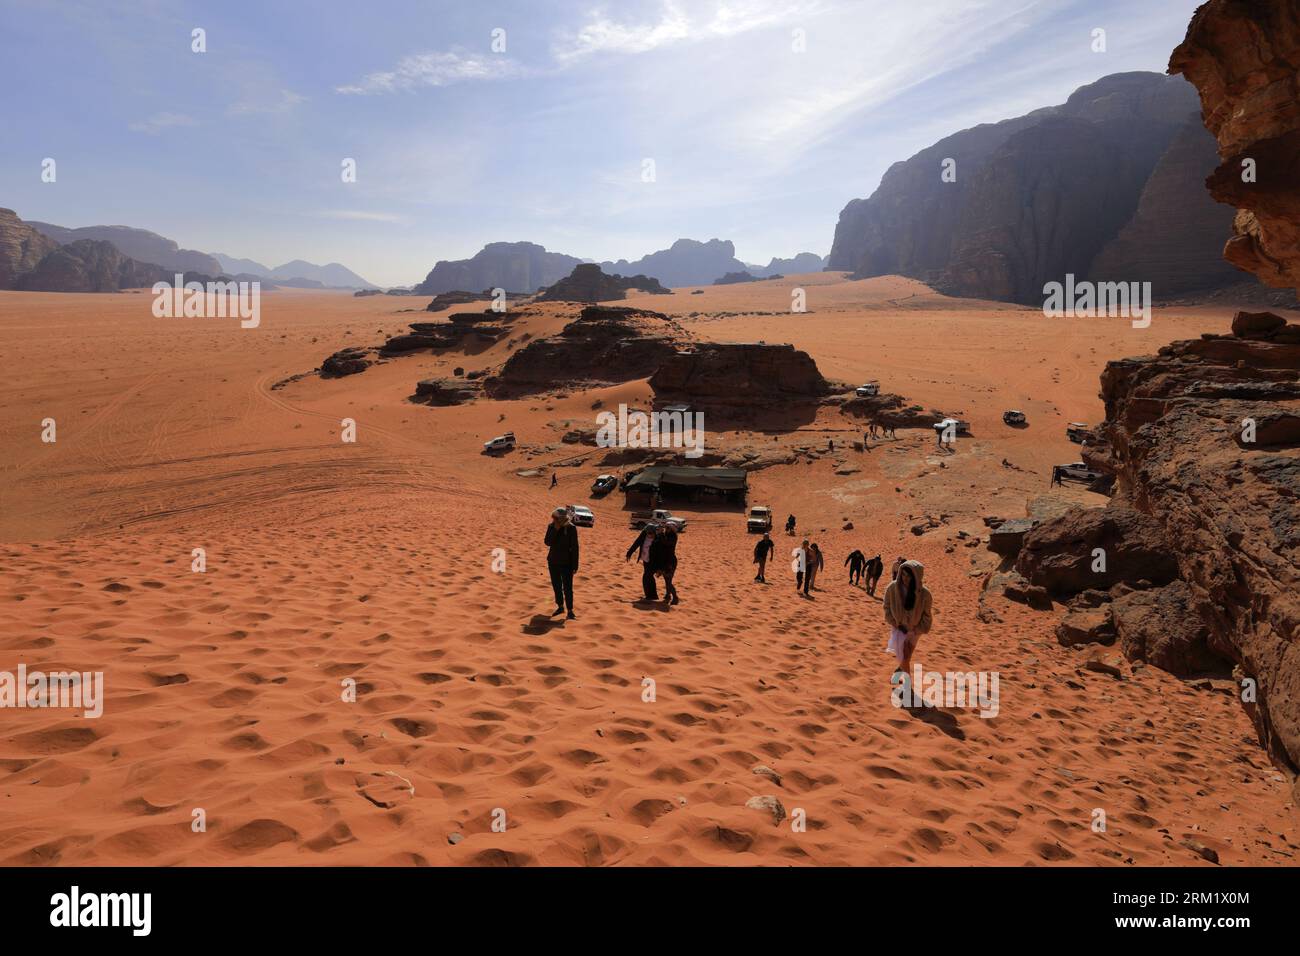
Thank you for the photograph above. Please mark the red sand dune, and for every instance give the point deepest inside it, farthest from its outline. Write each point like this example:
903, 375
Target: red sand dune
372, 561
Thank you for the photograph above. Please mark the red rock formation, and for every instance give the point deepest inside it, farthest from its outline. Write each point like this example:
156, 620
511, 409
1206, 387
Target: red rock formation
606, 344
587, 283
739, 374
22, 247
1244, 58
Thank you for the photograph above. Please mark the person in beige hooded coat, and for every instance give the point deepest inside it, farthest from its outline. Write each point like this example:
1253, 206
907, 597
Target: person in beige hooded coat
907, 611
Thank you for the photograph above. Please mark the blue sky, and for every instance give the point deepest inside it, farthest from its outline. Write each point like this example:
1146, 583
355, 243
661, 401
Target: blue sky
239, 149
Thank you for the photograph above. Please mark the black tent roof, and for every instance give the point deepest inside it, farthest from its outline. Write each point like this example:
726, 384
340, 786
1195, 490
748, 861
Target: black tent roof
723, 479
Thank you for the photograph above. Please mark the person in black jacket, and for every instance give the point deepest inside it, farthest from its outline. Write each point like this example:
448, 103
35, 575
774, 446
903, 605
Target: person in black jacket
663, 554
874, 569
562, 559
762, 551
643, 548
856, 561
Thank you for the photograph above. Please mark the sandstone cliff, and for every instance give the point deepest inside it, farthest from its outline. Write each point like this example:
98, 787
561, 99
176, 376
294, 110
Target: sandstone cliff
22, 247
90, 265
140, 245
1244, 58
1059, 190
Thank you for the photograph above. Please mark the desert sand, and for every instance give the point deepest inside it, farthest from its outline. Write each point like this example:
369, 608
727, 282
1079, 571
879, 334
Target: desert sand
373, 561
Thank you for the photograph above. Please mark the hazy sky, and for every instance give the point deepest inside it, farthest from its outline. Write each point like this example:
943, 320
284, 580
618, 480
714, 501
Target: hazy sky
239, 149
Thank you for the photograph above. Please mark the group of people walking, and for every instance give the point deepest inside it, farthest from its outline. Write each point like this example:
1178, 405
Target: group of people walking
656, 551
908, 605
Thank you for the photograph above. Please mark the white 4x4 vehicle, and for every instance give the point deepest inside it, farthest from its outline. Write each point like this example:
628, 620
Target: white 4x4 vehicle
500, 443
582, 516
957, 426
1078, 471
867, 391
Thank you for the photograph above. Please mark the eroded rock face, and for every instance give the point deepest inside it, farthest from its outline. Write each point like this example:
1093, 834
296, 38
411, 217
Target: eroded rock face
1243, 56
90, 265
1084, 187
739, 374
1204, 441
604, 345
1095, 548
21, 247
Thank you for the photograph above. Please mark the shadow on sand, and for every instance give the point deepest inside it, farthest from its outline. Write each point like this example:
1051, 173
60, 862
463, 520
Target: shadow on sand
543, 623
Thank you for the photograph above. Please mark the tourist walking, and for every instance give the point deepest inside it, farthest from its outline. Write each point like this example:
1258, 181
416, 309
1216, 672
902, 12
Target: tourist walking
908, 607
814, 563
643, 548
762, 551
856, 562
562, 559
874, 569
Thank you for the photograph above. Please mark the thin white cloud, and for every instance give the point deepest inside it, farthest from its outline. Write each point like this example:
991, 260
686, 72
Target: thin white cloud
434, 69
601, 34
161, 121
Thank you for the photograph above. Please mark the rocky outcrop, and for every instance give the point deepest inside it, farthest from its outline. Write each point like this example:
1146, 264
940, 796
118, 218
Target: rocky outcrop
140, 245
445, 300
447, 391
604, 345
587, 283
686, 262
1096, 548
513, 266
90, 265
736, 278
890, 411
1057, 191
1243, 56
739, 374
22, 247
802, 263
347, 361
1202, 539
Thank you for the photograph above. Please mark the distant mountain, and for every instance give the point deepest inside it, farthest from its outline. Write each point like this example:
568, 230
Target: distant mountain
232, 266
686, 262
139, 244
1078, 188
331, 274
33, 261
296, 274
801, 263
513, 266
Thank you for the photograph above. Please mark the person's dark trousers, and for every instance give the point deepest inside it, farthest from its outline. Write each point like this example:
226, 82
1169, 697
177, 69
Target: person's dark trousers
648, 583
854, 575
798, 580
670, 592
762, 566
562, 584
807, 582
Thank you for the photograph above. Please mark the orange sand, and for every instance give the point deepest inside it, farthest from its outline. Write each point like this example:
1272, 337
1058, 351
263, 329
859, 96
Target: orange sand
372, 561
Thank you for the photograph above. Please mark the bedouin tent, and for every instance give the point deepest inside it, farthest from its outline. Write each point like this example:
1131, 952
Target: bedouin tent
669, 480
